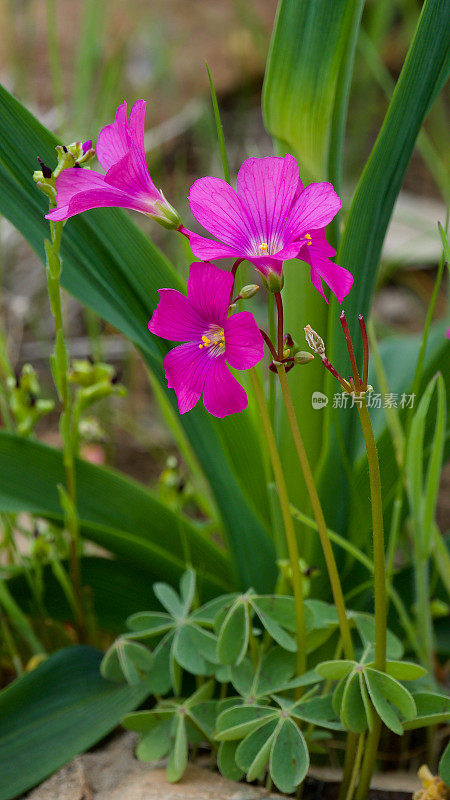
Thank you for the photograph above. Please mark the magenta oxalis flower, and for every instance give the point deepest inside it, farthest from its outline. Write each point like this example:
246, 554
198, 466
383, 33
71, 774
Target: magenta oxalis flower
269, 218
127, 183
213, 340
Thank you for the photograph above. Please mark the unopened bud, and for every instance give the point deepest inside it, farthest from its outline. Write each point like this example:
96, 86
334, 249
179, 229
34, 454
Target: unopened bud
274, 281
315, 342
165, 214
302, 357
248, 291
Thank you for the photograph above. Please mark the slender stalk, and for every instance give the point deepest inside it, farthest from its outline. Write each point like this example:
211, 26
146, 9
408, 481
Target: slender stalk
68, 433
272, 382
333, 574
297, 578
279, 303
355, 766
19, 619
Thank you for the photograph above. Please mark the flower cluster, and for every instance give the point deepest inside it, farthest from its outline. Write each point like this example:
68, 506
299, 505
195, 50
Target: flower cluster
269, 218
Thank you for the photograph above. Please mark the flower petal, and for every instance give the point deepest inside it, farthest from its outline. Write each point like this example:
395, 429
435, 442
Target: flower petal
218, 208
209, 290
186, 369
209, 249
131, 175
314, 208
339, 279
72, 181
97, 198
267, 187
175, 319
136, 125
223, 395
113, 140
244, 345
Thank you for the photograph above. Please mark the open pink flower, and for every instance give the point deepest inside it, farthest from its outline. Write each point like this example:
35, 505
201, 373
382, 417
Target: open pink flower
269, 218
213, 340
127, 183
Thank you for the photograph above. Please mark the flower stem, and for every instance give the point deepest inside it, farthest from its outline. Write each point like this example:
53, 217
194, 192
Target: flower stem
297, 578
379, 590
68, 435
333, 574
279, 303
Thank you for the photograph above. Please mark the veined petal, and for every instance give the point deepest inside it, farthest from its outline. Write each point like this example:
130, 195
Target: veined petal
175, 319
105, 197
222, 394
265, 265
314, 208
136, 125
131, 175
267, 187
113, 140
244, 345
218, 208
339, 279
186, 369
209, 249
209, 291
72, 181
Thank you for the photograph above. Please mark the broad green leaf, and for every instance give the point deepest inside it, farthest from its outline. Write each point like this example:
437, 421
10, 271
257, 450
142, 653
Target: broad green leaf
444, 765
134, 525
335, 670
289, 758
336, 698
232, 641
382, 688
126, 660
111, 267
150, 623
366, 700
226, 761
204, 717
353, 710
178, 756
365, 624
186, 652
253, 752
234, 723
155, 742
56, 712
187, 589
144, 721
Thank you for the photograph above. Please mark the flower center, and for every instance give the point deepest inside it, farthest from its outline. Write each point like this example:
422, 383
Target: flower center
308, 238
213, 341
264, 246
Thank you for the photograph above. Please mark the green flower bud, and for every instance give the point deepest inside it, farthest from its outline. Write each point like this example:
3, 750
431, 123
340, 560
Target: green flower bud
248, 291
303, 358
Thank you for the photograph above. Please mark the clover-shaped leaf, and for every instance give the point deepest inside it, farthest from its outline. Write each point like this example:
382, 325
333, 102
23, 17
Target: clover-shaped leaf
433, 708
128, 660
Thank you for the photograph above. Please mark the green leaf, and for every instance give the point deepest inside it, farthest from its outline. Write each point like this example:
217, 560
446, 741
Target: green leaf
274, 630
187, 589
432, 709
353, 710
178, 756
236, 722
335, 670
55, 712
111, 267
126, 659
444, 765
150, 623
204, 716
382, 689
187, 653
155, 742
233, 638
365, 624
253, 752
226, 761
133, 524
366, 700
404, 670
318, 711
289, 758
169, 599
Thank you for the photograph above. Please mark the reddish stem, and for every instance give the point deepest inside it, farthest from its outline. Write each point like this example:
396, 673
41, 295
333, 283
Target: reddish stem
269, 344
183, 230
329, 366
351, 352
279, 303
233, 272
365, 340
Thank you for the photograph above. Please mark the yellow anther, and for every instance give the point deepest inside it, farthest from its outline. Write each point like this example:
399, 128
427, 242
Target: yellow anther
263, 246
308, 238
221, 344
200, 347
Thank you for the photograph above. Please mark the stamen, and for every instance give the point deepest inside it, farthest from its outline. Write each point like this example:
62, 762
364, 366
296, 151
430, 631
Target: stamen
308, 238
263, 246
214, 340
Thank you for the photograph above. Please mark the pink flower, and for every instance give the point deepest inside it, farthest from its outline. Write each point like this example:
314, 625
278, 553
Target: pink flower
127, 183
269, 218
213, 341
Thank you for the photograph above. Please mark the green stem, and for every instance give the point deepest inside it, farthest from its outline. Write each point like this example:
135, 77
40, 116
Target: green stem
379, 590
297, 578
67, 428
355, 766
318, 515
272, 384
18, 619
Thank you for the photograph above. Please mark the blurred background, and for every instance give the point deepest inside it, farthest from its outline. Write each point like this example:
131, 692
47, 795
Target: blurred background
72, 62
